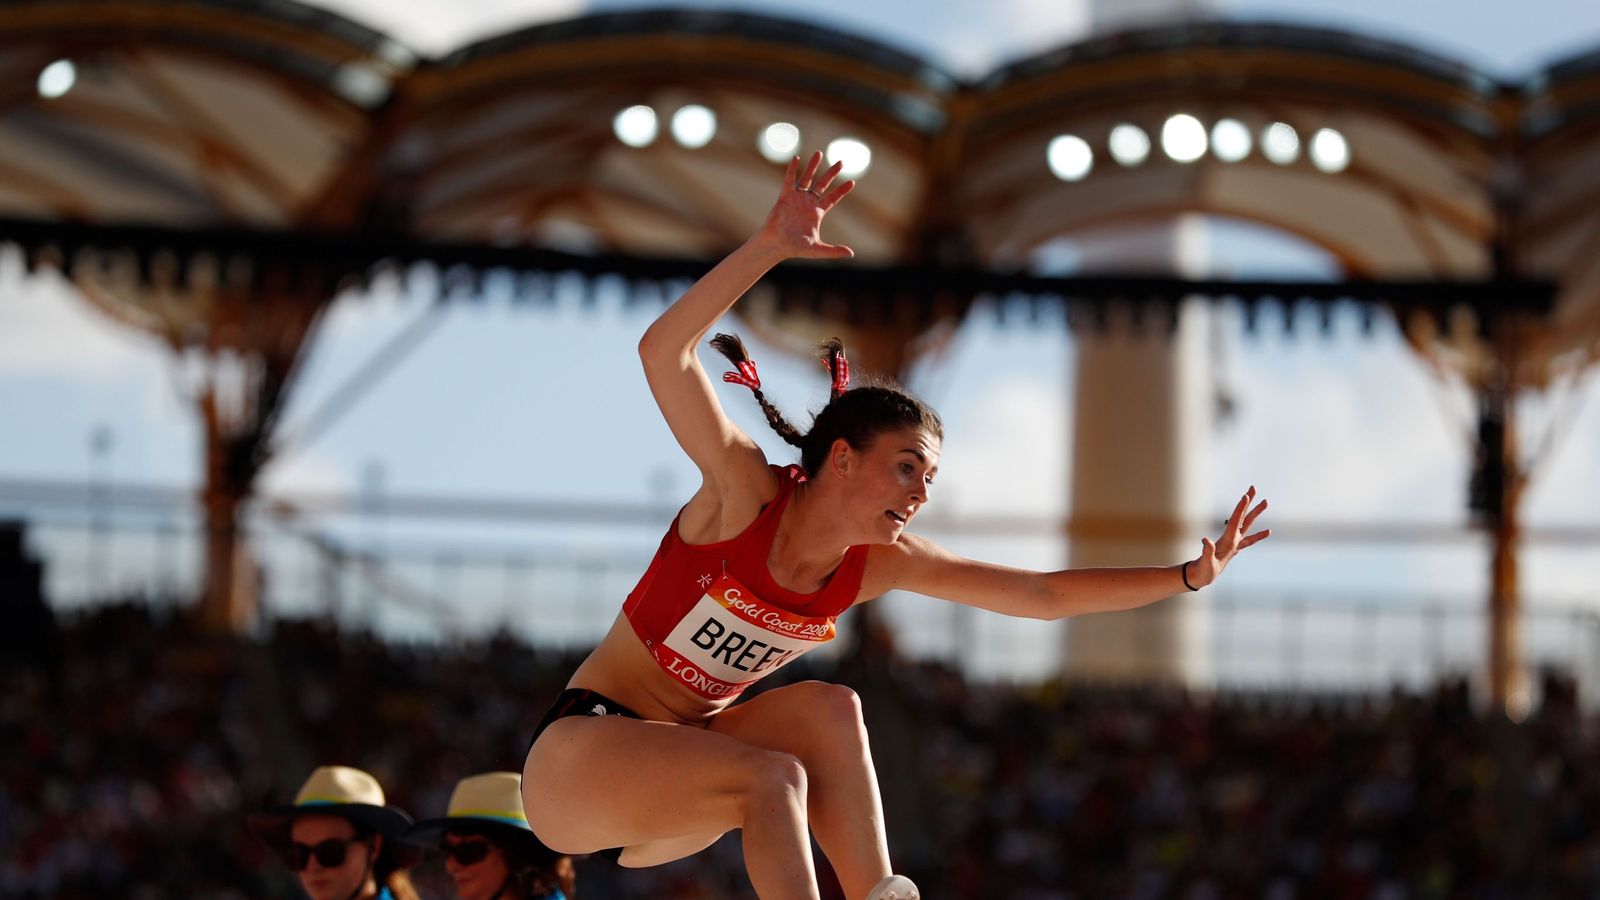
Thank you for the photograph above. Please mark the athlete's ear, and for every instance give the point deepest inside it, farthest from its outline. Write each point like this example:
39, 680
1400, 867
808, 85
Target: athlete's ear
840, 456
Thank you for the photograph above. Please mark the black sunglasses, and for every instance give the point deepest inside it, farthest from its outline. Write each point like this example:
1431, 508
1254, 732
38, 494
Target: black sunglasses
467, 853
329, 854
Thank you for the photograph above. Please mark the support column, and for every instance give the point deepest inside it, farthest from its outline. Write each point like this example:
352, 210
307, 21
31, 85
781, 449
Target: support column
1496, 492
1141, 467
228, 599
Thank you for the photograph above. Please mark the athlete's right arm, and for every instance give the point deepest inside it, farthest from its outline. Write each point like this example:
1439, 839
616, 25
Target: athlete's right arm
681, 387
726, 456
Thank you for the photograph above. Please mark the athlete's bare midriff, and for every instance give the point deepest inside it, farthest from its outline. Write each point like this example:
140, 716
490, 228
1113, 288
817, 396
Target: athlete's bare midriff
622, 669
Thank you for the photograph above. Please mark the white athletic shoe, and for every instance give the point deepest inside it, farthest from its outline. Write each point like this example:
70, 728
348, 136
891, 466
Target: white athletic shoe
895, 887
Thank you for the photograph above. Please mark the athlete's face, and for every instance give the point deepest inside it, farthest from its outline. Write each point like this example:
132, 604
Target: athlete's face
890, 480
337, 881
481, 878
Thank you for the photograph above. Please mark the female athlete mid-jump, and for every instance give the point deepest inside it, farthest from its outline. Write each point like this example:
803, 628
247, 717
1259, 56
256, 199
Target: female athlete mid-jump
645, 756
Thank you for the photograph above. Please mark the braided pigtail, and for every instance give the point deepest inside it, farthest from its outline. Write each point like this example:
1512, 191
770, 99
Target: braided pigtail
730, 346
832, 356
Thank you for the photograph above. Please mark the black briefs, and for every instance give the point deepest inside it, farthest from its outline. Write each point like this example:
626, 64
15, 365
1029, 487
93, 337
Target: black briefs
580, 702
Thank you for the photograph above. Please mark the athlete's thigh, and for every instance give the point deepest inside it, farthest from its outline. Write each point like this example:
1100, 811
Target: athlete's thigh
804, 719
595, 782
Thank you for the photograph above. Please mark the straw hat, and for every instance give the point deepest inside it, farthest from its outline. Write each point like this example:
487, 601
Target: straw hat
491, 803
338, 791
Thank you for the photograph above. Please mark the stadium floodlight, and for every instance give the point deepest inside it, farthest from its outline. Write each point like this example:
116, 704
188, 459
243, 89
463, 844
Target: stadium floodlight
1280, 143
1070, 157
778, 141
1230, 140
57, 78
694, 126
361, 84
1183, 138
636, 126
395, 54
1330, 152
1129, 144
856, 156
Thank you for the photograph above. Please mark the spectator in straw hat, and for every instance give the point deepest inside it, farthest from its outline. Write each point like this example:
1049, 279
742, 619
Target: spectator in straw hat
341, 839
490, 852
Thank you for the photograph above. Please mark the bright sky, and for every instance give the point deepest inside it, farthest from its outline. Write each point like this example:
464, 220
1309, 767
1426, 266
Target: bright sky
1346, 429
972, 35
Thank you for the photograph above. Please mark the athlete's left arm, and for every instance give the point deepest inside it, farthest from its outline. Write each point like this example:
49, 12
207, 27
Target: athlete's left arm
917, 564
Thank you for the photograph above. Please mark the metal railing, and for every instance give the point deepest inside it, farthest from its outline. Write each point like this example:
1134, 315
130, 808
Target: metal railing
551, 592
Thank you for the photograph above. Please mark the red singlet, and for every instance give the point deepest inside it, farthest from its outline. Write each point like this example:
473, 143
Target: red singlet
712, 615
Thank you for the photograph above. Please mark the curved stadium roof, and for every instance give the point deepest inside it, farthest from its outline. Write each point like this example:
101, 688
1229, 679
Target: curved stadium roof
268, 114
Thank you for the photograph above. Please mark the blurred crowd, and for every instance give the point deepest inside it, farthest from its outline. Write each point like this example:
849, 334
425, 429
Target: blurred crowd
131, 752
1052, 792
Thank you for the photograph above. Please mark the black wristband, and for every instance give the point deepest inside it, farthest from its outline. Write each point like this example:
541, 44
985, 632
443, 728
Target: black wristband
1185, 569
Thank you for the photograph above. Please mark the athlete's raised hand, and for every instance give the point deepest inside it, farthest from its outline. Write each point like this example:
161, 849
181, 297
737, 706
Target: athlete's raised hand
793, 227
1236, 536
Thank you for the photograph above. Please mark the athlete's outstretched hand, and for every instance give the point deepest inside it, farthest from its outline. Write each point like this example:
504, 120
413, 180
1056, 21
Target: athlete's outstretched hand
1214, 557
793, 227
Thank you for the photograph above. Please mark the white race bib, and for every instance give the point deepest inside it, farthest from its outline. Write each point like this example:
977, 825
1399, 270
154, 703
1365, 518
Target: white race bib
730, 639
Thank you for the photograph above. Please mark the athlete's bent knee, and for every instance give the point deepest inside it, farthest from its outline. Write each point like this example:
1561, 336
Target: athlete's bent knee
836, 712
837, 704
775, 776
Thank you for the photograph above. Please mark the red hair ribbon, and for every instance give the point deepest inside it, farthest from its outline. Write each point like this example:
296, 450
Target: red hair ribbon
841, 375
746, 375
